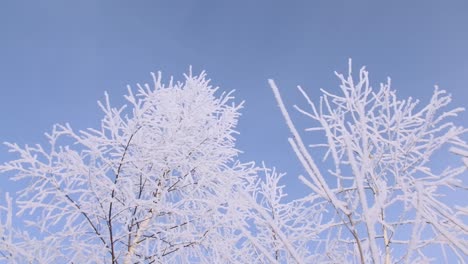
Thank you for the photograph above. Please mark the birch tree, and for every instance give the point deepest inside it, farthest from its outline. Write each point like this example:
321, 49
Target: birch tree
151, 185
383, 196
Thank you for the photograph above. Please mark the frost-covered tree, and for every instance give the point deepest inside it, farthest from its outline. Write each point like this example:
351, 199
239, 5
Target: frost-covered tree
379, 197
160, 182
153, 184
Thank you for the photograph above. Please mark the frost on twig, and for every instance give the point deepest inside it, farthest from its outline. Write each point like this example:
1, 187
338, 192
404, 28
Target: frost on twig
384, 193
462, 153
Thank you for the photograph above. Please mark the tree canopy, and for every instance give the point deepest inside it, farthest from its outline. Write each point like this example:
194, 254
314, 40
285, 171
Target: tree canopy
160, 181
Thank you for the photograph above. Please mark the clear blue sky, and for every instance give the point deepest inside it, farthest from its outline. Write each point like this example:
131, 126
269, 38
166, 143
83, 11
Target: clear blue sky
58, 57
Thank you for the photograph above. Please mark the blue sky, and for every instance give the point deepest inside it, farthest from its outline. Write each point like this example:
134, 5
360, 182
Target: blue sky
58, 57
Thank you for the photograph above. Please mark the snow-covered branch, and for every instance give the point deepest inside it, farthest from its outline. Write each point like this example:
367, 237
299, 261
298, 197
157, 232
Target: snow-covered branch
384, 186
